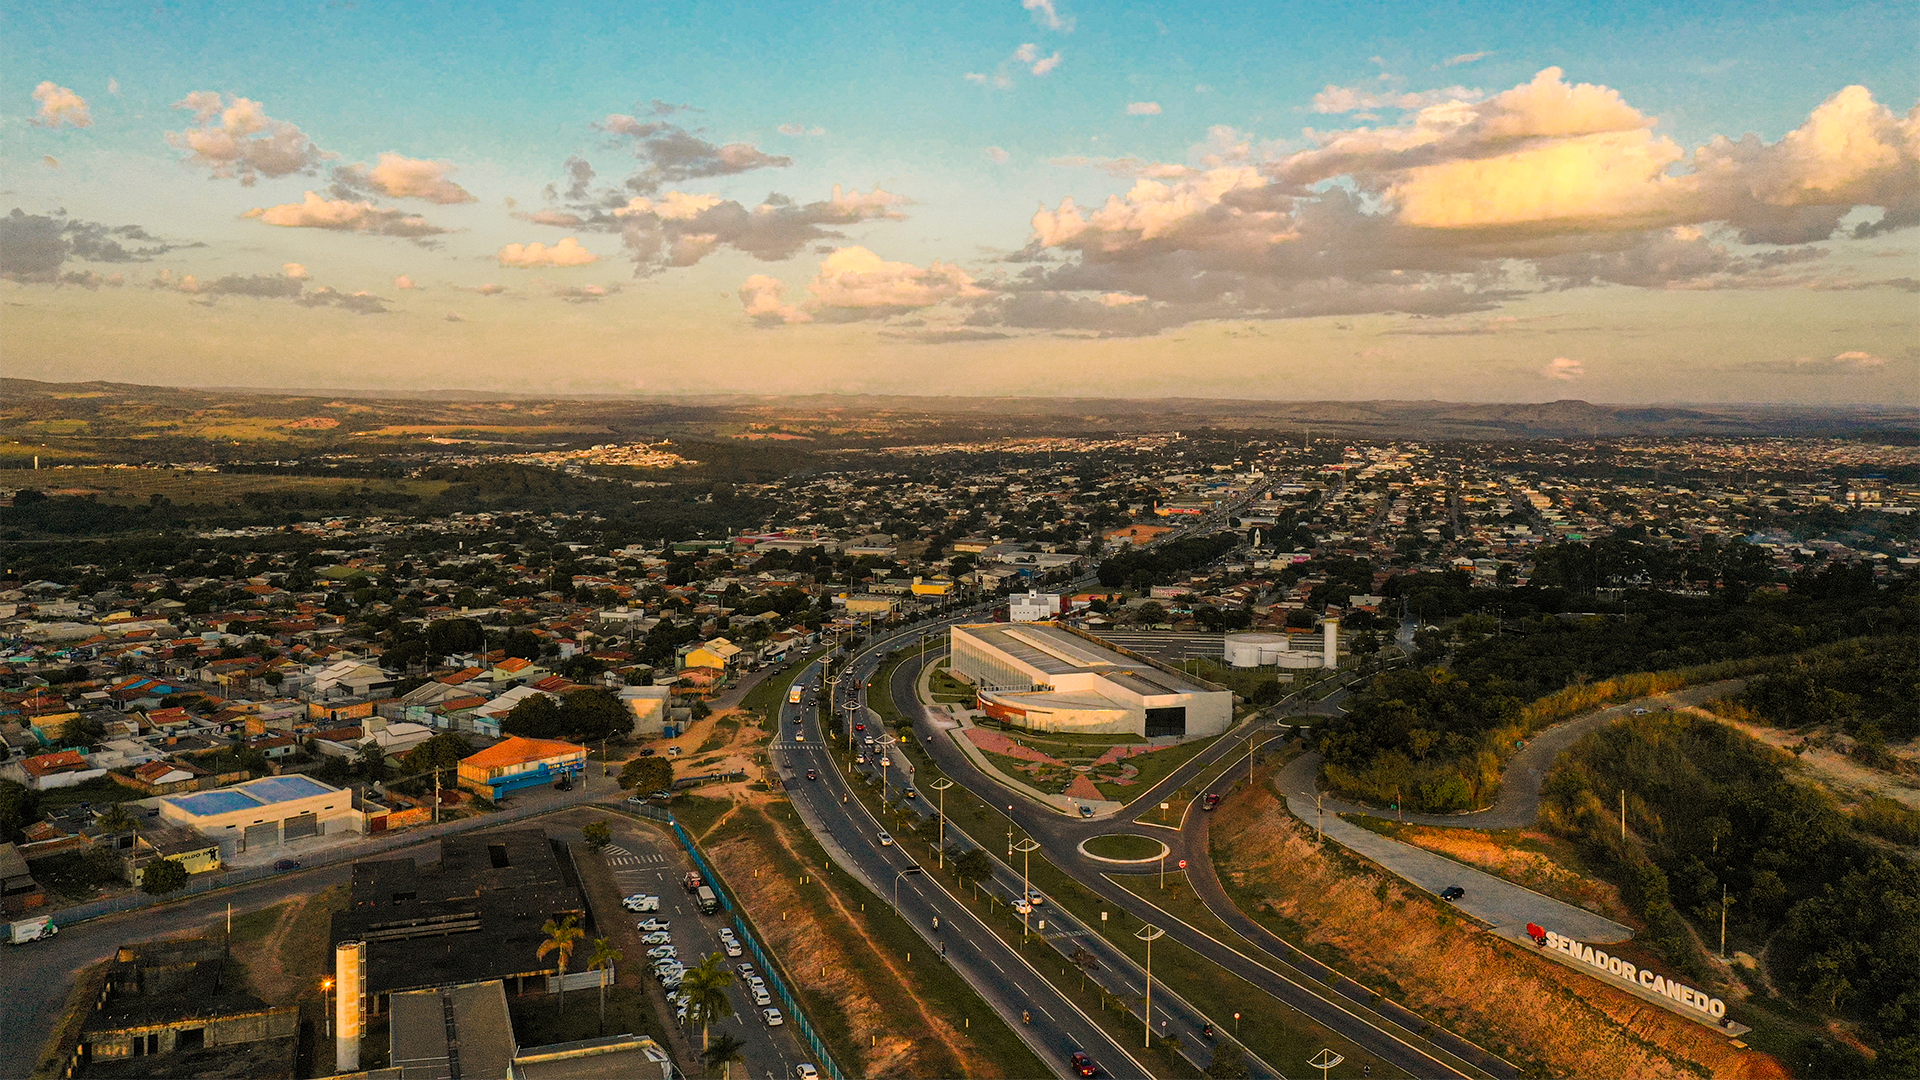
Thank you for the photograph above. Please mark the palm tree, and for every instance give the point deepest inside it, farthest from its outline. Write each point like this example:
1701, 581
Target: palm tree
724, 1051
603, 958
115, 820
561, 936
705, 985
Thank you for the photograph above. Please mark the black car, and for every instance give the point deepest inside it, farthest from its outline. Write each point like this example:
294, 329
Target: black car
1452, 893
286, 864
1082, 1064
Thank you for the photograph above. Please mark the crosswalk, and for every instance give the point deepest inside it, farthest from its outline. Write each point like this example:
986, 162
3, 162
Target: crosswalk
622, 859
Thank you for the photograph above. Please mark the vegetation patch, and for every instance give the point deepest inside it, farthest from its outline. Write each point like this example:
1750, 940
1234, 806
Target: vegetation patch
1126, 847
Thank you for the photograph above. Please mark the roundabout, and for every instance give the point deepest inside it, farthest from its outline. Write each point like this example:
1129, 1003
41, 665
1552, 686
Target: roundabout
1123, 848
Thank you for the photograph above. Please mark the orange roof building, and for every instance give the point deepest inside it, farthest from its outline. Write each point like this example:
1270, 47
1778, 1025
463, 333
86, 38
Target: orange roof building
517, 762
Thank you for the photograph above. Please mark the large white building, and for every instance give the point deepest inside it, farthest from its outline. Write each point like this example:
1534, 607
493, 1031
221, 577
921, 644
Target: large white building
1049, 678
264, 812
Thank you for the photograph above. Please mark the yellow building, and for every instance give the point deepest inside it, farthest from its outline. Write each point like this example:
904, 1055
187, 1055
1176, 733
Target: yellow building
193, 851
923, 587
718, 653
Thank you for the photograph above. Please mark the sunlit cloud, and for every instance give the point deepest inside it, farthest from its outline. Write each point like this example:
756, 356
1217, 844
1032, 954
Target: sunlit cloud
344, 215
567, 252
59, 105
236, 139
400, 177
1047, 16
1143, 108
1563, 369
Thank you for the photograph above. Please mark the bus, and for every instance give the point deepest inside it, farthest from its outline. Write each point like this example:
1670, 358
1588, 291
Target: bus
793, 694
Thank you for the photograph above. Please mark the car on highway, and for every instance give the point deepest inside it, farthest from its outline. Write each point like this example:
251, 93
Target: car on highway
1021, 907
1082, 1064
773, 1017
813, 774
886, 839
658, 937
861, 727
1212, 800
886, 763
651, 925
1034, 897
912, 794
1452, 893
760, 996
799, 736
805, 1071
639, 903
860, 759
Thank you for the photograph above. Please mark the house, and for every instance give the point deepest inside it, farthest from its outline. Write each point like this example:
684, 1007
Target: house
196, 853
62, 768
18, 890
502, 705
717, 653
517, 762
349, 678
516, 671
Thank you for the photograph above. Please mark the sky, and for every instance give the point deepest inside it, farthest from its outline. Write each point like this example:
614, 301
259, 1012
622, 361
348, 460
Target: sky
1660, 203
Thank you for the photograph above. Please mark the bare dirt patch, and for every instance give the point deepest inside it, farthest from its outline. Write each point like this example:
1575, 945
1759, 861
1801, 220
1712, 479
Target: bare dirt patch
291, 958
1546, 1018
1838, 773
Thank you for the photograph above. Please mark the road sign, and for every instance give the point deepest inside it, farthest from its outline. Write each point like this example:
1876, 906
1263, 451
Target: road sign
1183, 864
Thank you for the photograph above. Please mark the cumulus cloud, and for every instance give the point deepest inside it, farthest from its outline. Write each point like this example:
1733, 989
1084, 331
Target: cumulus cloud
801, 130
1563, 369
345, 215
996, 155
34, 247
1462, 205
360, 303
672, 155
585, 294
1046, 15
1143, 108
236, 139
286, 285
854, 284
567, 252
404, 283
1029, 55
400, 177
294, 271
59, 105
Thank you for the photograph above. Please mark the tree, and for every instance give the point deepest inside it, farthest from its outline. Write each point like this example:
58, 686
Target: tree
163, 876
724, 1051
598, 834
115, 820
705, 985
603, 958
19, 807
561, 937
537, 716
973, 867
1086, 962
372, 761
442, 752
594, 713
1229, 1063
647, 774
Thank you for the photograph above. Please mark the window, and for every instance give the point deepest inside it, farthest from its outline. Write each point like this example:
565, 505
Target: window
1169, 721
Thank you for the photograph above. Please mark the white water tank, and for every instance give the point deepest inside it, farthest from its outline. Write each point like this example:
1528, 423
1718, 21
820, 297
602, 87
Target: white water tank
1255, 650
1330, 650
349, 1003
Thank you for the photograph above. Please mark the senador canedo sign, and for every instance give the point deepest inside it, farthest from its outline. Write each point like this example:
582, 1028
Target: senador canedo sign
1615, 968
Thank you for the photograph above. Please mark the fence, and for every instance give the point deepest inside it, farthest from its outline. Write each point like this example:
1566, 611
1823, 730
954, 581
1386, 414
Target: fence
206, 883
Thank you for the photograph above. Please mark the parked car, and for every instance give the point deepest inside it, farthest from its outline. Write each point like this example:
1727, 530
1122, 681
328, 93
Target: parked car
662, 952
658, 937
286, 864
1452, 893
761, 997
1212, 800
1086, 810
641, 902
731, 947
773, 1017
651, 925
805, 1071
648, 751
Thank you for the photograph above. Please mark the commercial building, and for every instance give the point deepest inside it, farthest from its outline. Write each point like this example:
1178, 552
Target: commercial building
517, 762
1032, 606
1051, 678
263, 812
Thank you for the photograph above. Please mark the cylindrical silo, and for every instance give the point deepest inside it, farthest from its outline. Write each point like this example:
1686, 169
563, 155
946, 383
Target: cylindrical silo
1330, 647
349, 1003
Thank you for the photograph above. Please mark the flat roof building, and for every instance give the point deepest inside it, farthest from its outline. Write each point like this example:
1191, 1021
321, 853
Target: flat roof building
1050, 678
263, 812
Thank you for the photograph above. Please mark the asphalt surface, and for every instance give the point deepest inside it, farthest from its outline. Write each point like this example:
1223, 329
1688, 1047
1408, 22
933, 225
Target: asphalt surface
851, 836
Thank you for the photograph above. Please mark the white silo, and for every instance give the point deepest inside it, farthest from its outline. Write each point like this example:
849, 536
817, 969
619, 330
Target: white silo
1254, 650
349, 1003
1330, 650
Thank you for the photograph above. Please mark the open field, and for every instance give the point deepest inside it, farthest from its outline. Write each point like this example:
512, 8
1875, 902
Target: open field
133, 486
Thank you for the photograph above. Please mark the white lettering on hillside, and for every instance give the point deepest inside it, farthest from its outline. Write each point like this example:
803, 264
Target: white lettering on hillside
1615, 968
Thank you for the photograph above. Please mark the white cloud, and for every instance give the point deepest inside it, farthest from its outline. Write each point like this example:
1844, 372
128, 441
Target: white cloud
762, 297
802, 130
1029, 55
344, 215
294, 271
1048, 16
1563, 369
673, 206
1346, 99
567, 252
1143, 108
59, 105
404, 283
238, 140
997, 155
401, 177
1467, 58
113, 86
853, 284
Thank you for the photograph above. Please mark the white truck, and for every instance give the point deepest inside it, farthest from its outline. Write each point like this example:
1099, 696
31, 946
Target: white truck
31, 930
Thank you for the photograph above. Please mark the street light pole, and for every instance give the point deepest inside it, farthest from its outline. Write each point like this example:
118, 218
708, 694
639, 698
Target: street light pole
1320, 814
941, 785
1147, 933
1026, 848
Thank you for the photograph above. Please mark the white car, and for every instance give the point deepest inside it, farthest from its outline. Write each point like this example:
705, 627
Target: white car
732, 947
658, 937
1034, 897
860, 759
886, 839
773, 1017
886, 763
805, 1071
1022, 908
662, 952
641, 902
651, 925
761, 997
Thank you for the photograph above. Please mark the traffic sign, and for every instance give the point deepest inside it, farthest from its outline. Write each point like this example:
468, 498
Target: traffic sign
1183, 864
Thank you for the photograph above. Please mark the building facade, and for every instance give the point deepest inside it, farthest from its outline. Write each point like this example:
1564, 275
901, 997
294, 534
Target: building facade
1048, 678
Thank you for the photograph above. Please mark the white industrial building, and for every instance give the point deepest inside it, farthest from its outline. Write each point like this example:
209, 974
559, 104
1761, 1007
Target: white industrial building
1032, 606
1282, 650
264, 812
1049, 678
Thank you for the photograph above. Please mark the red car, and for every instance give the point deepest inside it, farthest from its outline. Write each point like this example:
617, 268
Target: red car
859, 727
813, 774
1082, 1064
1210, 802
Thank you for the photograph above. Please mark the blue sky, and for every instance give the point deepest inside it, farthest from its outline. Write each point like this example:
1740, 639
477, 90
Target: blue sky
1488, 202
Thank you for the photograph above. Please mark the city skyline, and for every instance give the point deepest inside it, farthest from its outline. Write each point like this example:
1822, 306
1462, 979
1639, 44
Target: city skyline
1016, 198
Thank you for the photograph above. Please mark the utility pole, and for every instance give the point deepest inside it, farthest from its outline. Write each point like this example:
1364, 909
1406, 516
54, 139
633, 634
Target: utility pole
1027, 848
1623, 815
941, 785
1320, 813
1147, 934
1724, 901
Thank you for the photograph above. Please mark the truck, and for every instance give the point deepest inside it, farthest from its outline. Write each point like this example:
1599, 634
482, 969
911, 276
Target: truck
692, 881
793, 694
26, 930
709, 901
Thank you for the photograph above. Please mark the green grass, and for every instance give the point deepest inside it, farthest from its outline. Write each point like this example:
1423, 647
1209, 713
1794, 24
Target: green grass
767, 697
1154, 768
698, 812
98, 790
1125, 846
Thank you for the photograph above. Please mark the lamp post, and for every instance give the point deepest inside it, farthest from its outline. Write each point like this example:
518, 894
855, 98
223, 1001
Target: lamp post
326, 987
1026, 847
1147, 933
1320, 814
941, 785
1009, 830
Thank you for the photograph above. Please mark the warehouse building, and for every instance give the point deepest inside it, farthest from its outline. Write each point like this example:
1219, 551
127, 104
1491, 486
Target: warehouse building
1050, 678
264, 812
518, 762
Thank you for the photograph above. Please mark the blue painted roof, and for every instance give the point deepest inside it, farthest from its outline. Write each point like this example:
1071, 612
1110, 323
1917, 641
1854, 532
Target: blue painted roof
284, 788
211, 803
252, 795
